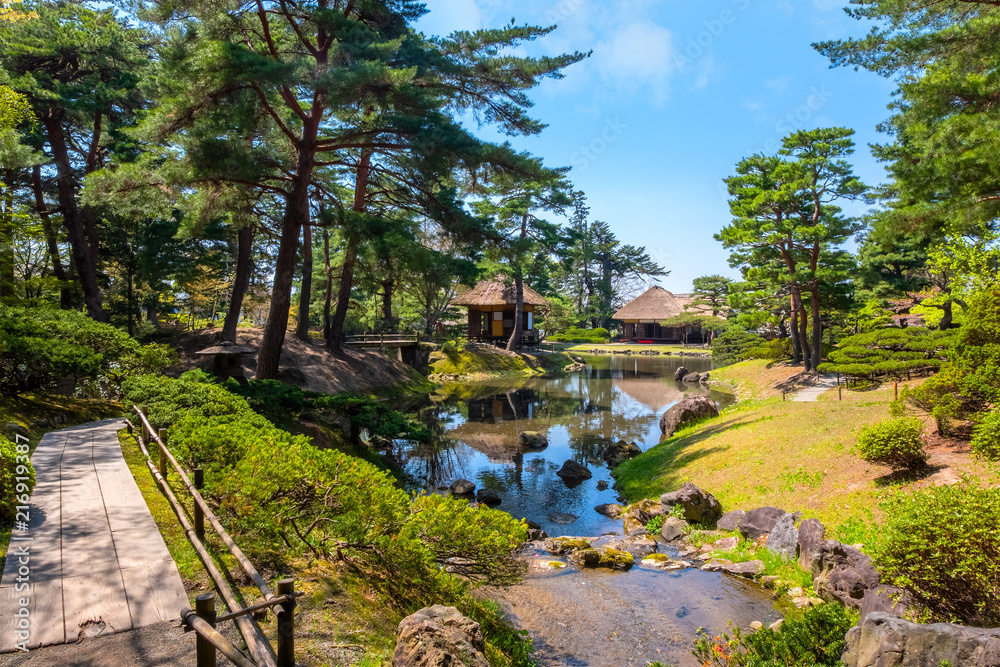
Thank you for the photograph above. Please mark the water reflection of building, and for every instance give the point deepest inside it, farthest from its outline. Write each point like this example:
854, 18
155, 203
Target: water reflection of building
516, 404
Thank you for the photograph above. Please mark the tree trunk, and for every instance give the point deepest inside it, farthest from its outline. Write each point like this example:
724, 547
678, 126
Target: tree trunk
296, 215
515, 338
343, 296
66, 181
328, 296
8, 285
244, 254
65, 292
350, 258
151, 314
387, 299
305, 292
794, 326
817, 325
803, 332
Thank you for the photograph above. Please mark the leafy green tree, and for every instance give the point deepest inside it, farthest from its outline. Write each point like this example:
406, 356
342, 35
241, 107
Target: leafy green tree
711, 292
734, 344
80, 70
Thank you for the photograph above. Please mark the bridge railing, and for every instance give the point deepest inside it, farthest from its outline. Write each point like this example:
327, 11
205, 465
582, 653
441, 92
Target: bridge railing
381, 338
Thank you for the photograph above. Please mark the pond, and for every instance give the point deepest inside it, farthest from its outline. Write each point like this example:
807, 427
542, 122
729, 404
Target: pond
581, 617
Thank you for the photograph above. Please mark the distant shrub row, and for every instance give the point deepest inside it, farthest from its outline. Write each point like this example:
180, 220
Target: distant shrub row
578, 335
281, 495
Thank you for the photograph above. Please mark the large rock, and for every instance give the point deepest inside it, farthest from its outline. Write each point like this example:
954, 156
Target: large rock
812, 533
620, 451
699, 506
730, 520
843, 574
572, 471
562, 518
637, 545
673, 528
748, 570
758, 522
882, 599
692, 378
565, 545
784, 537
637, 515
533, 440
487, 497
462, 487
439, 636
680, 373
13, 429
610, 510
603, 557
687, 411
883, 640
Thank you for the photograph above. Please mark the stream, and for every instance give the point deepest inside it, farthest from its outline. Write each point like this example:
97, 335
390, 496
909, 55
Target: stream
577, 617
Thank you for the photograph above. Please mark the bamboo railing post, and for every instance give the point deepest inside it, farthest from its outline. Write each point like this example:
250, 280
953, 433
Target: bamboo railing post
145, 411
162, 465
204, 606
286, 624
840, 392
199, 514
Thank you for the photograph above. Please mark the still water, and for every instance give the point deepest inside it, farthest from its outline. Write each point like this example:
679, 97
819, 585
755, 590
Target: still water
576, 617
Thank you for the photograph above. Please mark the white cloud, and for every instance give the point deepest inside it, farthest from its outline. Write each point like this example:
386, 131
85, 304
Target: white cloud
778, 84
637, 57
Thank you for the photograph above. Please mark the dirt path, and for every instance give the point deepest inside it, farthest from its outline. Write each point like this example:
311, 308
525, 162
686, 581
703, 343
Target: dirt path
814, 386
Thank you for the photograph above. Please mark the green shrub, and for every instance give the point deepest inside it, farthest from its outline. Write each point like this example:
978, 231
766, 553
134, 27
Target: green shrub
942, 546
41, 348
282, 496
655, 524
895, 443
17, 477
734, 344
815, 640
579, 335
986, 437
779, 348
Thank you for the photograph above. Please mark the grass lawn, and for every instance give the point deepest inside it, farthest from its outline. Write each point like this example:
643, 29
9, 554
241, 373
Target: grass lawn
621, 348
479, 362
796, 456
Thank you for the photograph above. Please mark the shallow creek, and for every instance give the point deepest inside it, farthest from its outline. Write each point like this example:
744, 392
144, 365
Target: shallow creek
581, 617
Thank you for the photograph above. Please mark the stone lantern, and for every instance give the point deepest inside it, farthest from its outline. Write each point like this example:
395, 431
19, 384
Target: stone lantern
228, 360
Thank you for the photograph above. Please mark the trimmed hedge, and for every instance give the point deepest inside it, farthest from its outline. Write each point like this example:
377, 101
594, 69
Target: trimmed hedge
889, 352
579, 335
895, 443
281, 495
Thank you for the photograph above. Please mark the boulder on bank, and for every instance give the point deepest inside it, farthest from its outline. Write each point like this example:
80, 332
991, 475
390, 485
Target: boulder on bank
883, 639
730, 520
843, 574
687, 411
759, 522
748, 570
784, 537
637, 515
673, 528
564, 545
699, 506
620, 451
533, 440
680, 373
462, 487
692, 378
812, 533
439, 636
637, 545
572, 471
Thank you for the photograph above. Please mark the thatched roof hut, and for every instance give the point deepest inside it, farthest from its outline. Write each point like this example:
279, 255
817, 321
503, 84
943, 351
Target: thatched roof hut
653, 305
492, 309
495, 293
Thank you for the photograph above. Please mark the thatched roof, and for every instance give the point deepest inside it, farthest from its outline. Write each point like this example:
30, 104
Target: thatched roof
495, 293
655, 303
701, 309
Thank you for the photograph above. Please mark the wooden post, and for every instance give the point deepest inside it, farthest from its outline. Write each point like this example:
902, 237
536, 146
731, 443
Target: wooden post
840, 392
128, 427
204, 606
897, 390
162, 467
782, 395
838, 379
145, 411
199, 513
286, 625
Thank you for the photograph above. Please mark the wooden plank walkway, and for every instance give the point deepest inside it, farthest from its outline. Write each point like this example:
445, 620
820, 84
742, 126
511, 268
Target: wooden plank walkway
96, 563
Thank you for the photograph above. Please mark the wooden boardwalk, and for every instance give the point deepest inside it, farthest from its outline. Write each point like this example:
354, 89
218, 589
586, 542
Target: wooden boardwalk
96, 563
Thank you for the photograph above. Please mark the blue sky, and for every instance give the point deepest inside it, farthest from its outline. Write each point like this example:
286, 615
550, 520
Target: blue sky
674, 95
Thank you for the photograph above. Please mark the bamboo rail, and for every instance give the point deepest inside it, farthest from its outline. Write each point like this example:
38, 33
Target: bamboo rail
257, 643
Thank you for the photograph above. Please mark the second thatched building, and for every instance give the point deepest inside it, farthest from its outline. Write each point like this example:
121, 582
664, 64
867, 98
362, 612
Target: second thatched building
644, 315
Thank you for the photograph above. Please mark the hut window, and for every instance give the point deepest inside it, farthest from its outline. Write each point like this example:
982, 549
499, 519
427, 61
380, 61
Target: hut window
530, 321
498, 315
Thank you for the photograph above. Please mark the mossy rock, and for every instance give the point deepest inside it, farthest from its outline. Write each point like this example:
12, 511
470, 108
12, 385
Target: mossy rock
603, 557
562, 545
658, 558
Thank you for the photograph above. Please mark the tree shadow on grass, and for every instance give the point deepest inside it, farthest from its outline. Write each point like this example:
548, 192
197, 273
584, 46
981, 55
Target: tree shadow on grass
909, 475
